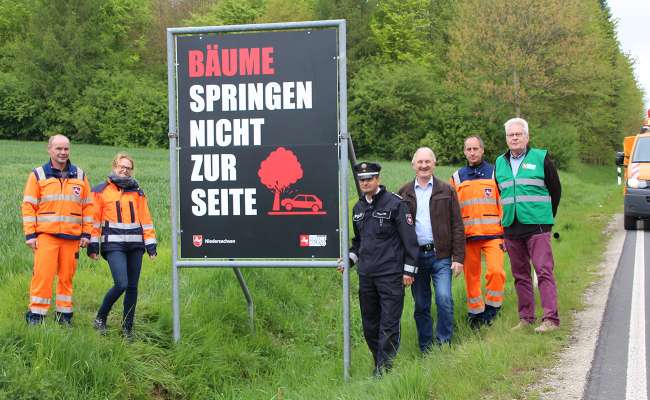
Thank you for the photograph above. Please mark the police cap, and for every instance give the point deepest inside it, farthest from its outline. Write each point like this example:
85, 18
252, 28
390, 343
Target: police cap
366, 170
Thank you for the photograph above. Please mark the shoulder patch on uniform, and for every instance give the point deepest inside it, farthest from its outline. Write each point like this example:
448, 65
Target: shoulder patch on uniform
409, 219
397, 195
99, 188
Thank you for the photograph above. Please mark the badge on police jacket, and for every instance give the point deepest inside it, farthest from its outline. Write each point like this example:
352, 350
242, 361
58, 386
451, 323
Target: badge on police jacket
409, 219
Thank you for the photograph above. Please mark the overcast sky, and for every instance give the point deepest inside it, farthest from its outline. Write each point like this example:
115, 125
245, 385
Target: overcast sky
633, 27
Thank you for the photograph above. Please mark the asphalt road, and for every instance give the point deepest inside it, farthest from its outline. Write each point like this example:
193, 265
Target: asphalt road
619, 366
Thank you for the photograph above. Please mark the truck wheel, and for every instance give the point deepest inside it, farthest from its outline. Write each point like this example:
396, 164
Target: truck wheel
629, 223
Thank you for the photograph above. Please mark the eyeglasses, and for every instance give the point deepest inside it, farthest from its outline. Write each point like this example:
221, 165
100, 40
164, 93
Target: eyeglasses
514, 134
125, 168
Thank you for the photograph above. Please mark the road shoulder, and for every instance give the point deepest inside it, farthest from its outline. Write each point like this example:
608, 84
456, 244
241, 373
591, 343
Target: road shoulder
568, 377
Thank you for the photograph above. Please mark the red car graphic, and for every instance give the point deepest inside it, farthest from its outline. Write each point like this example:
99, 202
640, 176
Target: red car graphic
308, 201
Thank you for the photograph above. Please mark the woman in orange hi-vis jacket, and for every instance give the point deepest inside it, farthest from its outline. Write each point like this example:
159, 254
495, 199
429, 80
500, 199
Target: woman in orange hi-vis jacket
122, 231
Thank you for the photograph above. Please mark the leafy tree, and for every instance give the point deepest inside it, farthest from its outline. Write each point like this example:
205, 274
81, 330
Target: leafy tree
546, 61
391, 108
287, 11
122, 110
402, 30
228, 12
358, 13
66, 44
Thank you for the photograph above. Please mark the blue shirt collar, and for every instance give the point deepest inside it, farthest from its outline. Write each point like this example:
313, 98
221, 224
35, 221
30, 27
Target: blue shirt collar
429, 184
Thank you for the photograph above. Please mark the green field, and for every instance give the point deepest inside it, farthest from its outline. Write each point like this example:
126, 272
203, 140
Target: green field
297, 350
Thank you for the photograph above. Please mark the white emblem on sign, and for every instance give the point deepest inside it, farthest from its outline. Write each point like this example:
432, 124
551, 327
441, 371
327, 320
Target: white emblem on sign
313, 240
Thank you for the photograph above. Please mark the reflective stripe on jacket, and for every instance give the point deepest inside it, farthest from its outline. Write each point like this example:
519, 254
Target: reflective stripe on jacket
479, 200
526, 194
57, 204
121, 220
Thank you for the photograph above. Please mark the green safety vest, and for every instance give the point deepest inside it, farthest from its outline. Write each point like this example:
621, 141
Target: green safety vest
526, 194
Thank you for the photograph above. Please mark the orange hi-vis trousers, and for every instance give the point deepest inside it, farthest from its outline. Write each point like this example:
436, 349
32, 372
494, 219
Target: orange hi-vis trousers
495, 275
53, 257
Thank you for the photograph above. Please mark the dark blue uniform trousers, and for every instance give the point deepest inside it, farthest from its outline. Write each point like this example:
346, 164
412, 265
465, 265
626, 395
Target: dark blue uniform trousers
381, 299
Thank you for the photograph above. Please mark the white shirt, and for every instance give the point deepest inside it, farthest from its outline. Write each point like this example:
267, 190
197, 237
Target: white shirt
423, 216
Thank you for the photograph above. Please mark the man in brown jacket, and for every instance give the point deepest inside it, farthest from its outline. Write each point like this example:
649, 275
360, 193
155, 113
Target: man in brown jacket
441, 237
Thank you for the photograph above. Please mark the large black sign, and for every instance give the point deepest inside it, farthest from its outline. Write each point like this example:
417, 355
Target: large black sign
258, 136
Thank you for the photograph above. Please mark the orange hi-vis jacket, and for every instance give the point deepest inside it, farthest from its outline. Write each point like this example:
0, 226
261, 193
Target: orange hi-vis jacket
479, 201
122, 221
57, 204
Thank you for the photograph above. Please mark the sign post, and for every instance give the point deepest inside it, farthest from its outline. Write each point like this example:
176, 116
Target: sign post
258, 149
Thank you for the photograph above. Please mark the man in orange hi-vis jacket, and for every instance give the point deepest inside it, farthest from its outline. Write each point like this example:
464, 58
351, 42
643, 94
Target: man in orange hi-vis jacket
479, 204
57, 220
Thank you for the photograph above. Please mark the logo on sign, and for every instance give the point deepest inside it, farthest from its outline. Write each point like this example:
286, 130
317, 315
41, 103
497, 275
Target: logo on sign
197, 240
304, 240
313, 240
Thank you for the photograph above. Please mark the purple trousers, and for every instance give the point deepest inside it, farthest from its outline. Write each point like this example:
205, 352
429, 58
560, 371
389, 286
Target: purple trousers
535, 249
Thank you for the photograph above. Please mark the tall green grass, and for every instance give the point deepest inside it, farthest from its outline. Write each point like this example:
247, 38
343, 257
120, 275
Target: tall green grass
296, 352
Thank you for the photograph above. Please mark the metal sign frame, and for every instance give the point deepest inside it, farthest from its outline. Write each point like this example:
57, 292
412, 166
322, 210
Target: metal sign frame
343, 143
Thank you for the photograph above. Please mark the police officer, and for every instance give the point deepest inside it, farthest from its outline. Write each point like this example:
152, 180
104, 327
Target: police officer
385, 250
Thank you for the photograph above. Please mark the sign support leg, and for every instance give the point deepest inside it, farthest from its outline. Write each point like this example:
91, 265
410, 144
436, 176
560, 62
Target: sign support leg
249, 298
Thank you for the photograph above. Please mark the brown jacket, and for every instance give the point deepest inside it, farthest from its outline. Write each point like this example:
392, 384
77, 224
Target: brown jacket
446, 220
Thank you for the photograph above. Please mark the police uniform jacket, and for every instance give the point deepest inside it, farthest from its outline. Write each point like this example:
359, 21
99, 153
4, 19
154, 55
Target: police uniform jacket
384, 236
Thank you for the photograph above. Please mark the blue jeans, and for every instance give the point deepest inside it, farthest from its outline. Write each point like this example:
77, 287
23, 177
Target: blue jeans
125, 268
438, 272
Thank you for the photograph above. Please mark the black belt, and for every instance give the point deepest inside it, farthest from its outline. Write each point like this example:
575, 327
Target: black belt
428, 247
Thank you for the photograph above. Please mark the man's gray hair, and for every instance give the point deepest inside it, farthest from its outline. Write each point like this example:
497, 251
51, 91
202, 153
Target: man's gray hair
428, 149
517, 121
477, 137
54, 137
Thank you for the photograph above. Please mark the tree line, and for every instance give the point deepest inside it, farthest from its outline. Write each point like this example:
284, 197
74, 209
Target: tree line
420, 72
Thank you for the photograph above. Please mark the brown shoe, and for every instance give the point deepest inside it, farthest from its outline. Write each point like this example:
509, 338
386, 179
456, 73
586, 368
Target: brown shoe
521, 325
547, 326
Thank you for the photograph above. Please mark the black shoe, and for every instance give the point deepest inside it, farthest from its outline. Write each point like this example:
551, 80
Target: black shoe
490, 314
127, 333
476, 321
100, 325
64, 319
33, 319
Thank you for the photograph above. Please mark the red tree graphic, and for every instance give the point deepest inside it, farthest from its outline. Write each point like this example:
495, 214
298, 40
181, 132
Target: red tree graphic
280, 170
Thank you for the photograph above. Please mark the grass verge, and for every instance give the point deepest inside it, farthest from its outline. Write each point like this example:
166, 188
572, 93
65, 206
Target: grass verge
297, 351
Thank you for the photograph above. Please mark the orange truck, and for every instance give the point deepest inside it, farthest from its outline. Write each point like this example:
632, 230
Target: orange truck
635, 158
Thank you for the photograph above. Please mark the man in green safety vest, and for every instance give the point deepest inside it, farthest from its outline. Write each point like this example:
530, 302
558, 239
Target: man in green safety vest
530, 195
